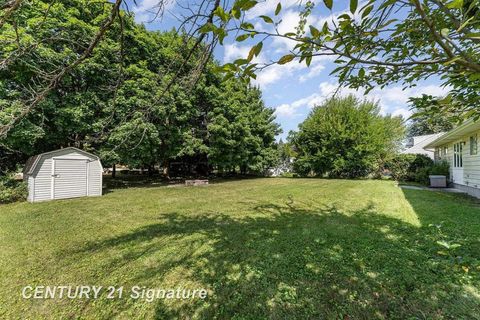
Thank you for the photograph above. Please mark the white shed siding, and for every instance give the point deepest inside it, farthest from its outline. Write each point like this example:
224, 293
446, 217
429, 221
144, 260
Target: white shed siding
81, 171
94, 178
43, 180
71, 178
31, 188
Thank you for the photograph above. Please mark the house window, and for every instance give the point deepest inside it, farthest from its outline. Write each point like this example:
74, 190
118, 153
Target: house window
473, 145
457, 155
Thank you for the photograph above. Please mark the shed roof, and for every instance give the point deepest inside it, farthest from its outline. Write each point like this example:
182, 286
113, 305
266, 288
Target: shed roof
33, 161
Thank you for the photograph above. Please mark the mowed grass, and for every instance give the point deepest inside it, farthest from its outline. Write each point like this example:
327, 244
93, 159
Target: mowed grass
263, 248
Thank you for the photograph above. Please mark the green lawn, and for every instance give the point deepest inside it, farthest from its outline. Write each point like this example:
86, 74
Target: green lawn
263, 248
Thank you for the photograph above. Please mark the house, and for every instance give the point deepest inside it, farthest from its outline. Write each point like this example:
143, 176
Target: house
63, 173
459, 147
417, 144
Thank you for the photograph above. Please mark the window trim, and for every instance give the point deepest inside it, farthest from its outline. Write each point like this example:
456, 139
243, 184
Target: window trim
474, 145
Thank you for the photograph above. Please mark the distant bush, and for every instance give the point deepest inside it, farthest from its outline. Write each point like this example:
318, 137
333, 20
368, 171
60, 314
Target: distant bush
409, 167
12, 190
440, 168
416, 167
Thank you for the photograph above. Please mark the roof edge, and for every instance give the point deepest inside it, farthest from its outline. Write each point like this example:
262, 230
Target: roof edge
437, 142
39, 156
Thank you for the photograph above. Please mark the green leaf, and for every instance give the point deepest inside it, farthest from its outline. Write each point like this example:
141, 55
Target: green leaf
444, 32
308, 60
328, 4
455, 4
361, 73
367, 11
473, 35
242, 37
443, 244
286, 59
314, 31
258, 48
278, 9
221, 14
255, 51
247, 26
336, 70
206, 28
247, 5
267, 19
240, 62
325, 28
353, 5
237, 14
386, 4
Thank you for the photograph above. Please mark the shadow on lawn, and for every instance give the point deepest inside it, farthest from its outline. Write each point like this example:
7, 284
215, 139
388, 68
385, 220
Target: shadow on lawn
144, 181
295, 263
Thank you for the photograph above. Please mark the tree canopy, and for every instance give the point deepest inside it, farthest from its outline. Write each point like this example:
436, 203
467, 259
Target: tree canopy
423, 124
139, 99
347, 138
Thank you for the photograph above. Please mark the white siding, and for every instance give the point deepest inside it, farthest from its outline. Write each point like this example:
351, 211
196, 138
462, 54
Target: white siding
43, 180
71, 178
471, 163
95, 178
31, 186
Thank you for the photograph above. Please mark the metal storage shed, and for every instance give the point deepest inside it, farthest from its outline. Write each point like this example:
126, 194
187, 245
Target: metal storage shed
61, 174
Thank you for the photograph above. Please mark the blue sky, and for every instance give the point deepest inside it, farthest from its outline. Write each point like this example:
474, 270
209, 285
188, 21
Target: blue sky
292, 89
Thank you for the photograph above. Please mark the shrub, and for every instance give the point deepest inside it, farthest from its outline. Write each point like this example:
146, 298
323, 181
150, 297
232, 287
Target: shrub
410, 167
12, 190
440, 168
345, 138
421, 176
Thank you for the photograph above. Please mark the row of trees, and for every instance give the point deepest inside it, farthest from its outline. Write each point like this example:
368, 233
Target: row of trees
140, 99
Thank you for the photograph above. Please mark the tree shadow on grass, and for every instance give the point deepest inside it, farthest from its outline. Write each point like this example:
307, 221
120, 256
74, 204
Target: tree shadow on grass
290, 263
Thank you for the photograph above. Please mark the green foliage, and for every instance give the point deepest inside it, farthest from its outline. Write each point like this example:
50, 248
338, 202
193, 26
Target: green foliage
415, 167
11, 189
121, 103
422, 123
346, 138
440, 168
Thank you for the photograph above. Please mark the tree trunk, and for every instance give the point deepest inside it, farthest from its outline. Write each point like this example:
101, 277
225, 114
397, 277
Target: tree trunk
150, 170
166, 169
114, 171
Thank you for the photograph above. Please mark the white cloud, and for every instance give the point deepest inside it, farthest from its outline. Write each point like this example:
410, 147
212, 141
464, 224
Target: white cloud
393, 100
289, 71
277, 72
292, 109
285, 110
146, 10
233, 51
268, 6
404, 112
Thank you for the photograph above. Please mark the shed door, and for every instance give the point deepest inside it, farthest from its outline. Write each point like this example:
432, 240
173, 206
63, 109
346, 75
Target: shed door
69, 179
